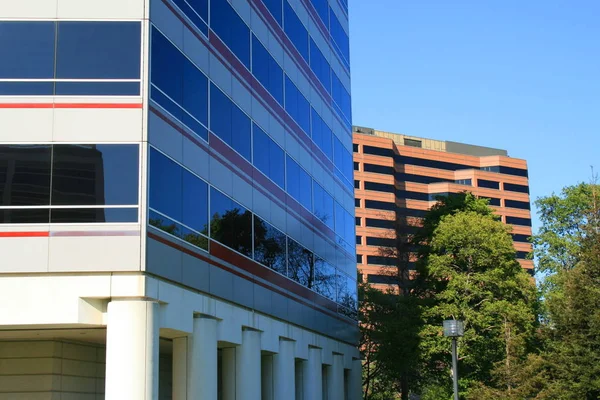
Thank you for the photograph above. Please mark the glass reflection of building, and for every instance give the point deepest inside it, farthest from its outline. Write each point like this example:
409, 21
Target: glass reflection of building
66, 183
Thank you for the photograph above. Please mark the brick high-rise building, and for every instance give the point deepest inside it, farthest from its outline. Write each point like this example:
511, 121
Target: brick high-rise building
403, 174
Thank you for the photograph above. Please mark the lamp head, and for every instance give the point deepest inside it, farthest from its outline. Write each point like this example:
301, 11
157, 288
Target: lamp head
454, 328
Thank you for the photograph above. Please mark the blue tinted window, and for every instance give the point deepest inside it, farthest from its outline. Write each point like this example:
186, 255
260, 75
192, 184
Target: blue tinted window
347, 292
322, 7
341, 97
201, 7
27, 88
175, 228
320, 66
229, 122
195, 92
230, 223
344, 224
268, 157
241, 132
193, 9
95, 174
339, 36
300, 264
25, 176
98, 50
297, 105
167, 71
343, 159
220, 114
274, 7
266, 70
166, 186
321, 134
93, 215
231, 29
195, 202
323, 205
27, 50
97, 89
299, 183
269, 246
324, 279
295, 30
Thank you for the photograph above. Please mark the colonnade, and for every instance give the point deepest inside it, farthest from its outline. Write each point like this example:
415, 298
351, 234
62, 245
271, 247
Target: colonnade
202, 372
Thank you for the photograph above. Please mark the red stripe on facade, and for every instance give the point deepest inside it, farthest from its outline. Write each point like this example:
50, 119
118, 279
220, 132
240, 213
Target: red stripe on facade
72, 105
23, 234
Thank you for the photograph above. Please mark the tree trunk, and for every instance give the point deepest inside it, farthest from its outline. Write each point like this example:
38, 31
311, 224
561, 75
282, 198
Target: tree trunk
404, 386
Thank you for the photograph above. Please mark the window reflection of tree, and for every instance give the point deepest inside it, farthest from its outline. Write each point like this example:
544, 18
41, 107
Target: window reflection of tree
175, 229
312, 272
233, 229
347, 294
326, 218
269, 246
301, 264
324, 279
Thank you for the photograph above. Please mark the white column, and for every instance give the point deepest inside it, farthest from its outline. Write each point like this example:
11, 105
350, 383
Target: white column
228, 373
132, 334
335, 379
247, 367
284, 372
313, 375
180, 359
354, 389
266, 365
202, 361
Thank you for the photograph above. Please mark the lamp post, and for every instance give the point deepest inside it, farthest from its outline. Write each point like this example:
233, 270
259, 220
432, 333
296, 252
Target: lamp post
454, 329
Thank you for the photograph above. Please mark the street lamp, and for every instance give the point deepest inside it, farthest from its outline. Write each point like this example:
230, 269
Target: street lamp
454, 329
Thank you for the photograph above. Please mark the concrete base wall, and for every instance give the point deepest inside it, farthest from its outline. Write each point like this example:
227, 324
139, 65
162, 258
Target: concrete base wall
51, 370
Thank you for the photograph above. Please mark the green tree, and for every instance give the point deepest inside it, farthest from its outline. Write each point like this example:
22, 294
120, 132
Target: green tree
557, 245
374, 309
399, 348
573, 298
470, 272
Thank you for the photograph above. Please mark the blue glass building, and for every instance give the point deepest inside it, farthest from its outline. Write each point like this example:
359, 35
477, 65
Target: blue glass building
198, 153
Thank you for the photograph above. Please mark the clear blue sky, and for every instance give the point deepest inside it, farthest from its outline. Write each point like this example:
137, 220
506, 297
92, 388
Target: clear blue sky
521, 75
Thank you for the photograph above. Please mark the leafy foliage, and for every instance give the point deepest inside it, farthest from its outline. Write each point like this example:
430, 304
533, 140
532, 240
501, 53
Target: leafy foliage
557, 246
466, 269
473, 275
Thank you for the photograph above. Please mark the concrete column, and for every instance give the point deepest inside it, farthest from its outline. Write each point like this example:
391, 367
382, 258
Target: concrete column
180, 359
267, 377
202, 361
335, 379
228, 373
132, 334
313, 375
247, 367
284, 372
354, 388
